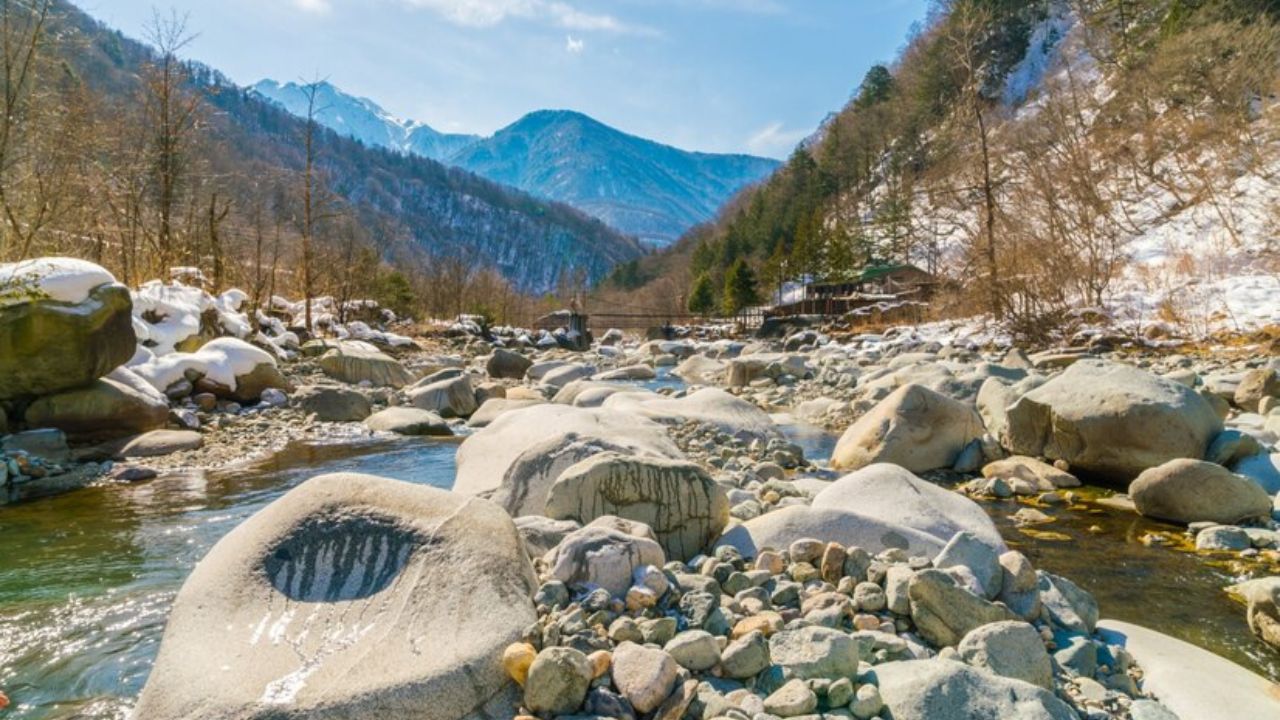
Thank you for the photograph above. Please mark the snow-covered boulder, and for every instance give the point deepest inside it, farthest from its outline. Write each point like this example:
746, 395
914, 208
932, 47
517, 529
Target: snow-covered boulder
175, 317
227, 367
63, 324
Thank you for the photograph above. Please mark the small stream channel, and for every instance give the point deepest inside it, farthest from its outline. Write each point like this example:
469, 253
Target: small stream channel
87, 578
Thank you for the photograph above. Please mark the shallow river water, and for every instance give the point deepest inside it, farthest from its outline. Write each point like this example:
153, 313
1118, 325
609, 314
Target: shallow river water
86, 578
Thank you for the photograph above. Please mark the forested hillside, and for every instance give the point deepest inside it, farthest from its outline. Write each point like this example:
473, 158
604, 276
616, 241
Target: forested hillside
120, 152
1044, 156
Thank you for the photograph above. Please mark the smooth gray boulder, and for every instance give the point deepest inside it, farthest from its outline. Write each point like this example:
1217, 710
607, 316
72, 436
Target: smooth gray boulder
605, 554
945, 612
1009, 648
1111, 420
408, 421
815, 652
118, 405
678, 499
1257, 384
1068, 605
709, 406
449, 398
645, 676
778, 529
351, 596
558, 681
515, 458
894, 495
1187, 491
354, 362
330, 403
48, 346
949, 690
996, 395
914, 427
493, 408
507, 365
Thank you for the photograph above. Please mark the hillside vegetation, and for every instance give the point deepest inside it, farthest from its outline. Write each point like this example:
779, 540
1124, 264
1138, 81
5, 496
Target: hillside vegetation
1044, 156
124, 154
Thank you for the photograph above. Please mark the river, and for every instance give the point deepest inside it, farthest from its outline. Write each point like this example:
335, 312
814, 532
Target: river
87, 578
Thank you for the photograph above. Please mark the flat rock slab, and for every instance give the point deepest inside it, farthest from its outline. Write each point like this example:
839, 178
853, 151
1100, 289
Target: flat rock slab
1192, 682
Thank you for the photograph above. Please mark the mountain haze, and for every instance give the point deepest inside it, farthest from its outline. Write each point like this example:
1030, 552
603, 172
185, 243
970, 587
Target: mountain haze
643, 188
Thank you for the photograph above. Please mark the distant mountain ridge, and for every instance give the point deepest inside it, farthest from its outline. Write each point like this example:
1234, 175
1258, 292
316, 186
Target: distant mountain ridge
652, 191
364, 120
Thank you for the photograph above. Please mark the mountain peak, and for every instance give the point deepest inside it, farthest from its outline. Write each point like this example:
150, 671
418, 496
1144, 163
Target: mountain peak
644, 188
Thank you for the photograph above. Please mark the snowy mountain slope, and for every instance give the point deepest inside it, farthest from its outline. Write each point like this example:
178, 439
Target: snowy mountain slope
364, 120
651, 191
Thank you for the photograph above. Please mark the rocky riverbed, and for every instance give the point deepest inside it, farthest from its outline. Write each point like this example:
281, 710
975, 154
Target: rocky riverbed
617, 544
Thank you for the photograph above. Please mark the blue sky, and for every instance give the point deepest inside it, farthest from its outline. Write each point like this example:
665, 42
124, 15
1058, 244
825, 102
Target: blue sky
714, 75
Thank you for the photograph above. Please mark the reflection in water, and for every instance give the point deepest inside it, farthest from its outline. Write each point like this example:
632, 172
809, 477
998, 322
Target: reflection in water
87, 578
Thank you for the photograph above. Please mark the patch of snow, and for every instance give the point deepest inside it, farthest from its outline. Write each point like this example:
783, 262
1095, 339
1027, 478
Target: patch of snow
219, 360
60, 279
1042, 52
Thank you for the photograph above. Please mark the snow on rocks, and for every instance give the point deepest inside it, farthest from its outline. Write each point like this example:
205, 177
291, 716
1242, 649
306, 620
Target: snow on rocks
168, 317
63, 324
233, 367
57, 279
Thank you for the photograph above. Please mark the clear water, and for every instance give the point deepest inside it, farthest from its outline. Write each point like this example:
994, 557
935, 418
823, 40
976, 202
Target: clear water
87, 578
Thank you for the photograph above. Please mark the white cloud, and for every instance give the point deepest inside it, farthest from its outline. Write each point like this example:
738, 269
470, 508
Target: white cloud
318, 7
775, 140
574, 45
487, 13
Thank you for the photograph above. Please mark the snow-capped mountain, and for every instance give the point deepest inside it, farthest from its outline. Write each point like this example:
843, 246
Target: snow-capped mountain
364, 120
651, 191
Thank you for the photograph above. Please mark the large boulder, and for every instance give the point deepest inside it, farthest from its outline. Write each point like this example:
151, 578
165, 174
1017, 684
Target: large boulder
331, 403
351, 596
1188, 491
700, 370
709, 406
894, 495
515, 458
996, 395
1257, 384
949, 690
914, 427
778, 529
944, 612
1010, 648
507, 365
1111, 420
408, 421
684, 506
63, 324
354, 362
118, 405
815, 653
227, 367
450, 397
